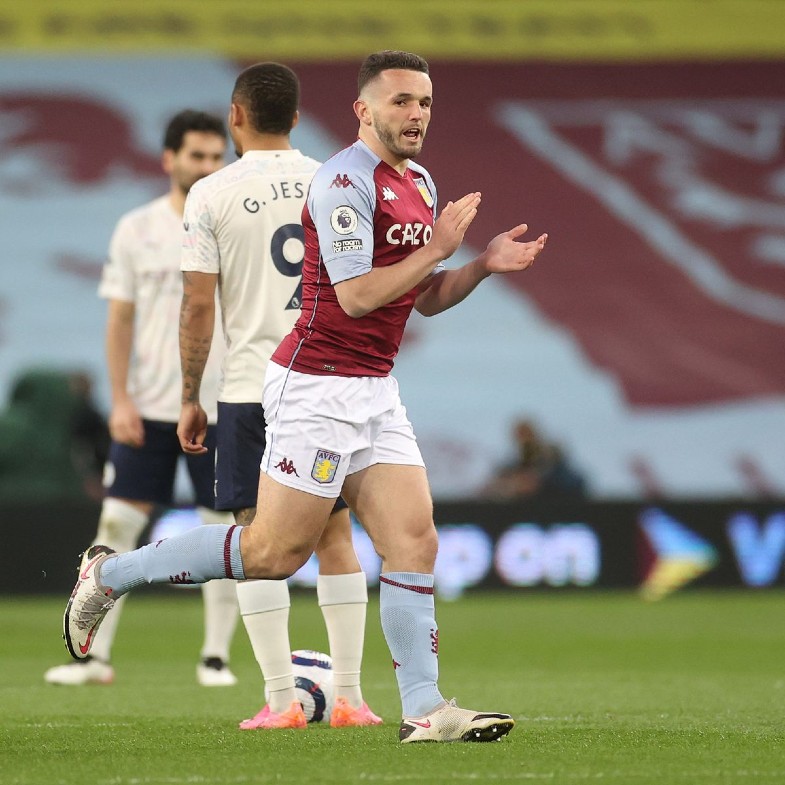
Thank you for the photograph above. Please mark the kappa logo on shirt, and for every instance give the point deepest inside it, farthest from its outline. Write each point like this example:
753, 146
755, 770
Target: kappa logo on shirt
388, 194
341, 181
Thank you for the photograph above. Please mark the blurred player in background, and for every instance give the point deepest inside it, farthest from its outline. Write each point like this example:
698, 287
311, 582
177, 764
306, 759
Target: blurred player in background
243, 234
540, 469
335, 422
143, 284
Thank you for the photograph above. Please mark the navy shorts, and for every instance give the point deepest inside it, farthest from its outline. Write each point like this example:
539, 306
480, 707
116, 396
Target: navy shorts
240, 446
147, 473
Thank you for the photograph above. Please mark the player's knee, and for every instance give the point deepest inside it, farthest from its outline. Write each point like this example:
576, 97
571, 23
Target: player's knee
337, 556
415, 545
428, 543
120, 525
268, 562
336, 537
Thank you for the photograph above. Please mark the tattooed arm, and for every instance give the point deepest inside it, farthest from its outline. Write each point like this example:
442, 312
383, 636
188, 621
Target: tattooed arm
197, 321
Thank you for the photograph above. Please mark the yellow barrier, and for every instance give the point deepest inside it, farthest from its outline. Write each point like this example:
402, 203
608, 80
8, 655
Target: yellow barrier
440, 29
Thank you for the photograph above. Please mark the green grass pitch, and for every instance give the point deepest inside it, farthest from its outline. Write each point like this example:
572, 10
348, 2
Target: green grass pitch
605, 688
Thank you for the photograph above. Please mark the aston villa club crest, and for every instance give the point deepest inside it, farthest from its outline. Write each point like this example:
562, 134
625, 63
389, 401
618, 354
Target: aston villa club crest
424, 192
325, 466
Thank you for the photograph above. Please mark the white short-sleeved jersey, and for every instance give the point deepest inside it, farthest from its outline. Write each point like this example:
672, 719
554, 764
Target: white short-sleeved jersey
243, 223
144, 269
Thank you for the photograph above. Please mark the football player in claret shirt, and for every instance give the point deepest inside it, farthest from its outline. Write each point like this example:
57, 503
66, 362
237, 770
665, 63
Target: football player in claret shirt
336, 424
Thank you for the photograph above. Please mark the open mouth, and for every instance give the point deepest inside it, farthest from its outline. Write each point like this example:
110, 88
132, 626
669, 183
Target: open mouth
412, 134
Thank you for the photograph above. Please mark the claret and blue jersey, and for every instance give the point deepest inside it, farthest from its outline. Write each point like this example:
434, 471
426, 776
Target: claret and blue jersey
360, 213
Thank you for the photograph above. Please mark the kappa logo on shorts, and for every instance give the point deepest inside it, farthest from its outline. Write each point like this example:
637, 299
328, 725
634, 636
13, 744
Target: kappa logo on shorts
286, 466
325, 466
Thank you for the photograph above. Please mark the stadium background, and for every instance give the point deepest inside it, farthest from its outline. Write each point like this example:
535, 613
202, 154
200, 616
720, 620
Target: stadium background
645, 138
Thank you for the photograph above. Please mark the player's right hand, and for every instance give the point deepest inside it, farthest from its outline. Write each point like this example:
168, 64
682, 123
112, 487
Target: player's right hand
125, 424
192, 429
451, 225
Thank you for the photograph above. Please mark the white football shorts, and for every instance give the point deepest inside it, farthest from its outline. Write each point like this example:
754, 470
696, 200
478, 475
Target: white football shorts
322, 428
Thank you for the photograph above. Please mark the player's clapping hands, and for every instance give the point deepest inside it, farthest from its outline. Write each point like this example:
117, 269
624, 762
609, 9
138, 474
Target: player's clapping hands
451, 225
505, 254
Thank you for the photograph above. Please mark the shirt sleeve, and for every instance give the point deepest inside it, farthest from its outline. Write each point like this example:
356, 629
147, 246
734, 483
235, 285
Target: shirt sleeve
200, 247
341, 205
117, 276
431, 185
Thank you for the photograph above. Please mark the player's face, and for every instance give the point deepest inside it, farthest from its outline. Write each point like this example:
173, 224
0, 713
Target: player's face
400, 107
202, 153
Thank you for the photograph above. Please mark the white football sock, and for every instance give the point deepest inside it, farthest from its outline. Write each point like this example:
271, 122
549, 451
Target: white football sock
119, 528
264, 606
343, 600
220, 602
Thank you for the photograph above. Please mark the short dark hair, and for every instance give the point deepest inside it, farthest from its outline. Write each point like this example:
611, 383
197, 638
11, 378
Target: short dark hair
271, 94
191, 120
377, 62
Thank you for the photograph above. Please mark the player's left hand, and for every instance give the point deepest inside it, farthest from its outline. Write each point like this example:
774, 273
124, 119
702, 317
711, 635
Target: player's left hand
505, 254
